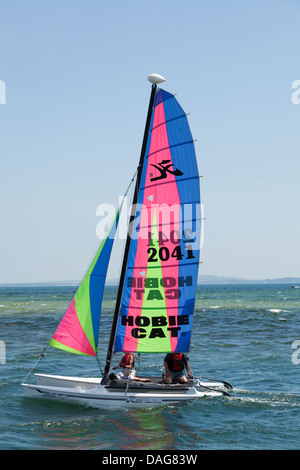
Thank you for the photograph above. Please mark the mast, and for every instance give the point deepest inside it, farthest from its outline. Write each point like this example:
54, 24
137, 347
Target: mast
154, 79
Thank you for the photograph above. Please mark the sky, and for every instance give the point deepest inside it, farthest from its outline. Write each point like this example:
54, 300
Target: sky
73, 101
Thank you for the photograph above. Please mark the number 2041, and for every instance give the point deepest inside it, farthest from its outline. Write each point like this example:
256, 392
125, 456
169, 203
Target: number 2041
164, 253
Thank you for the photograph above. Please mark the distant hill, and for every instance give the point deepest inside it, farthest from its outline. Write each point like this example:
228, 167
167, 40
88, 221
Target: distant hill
209, 279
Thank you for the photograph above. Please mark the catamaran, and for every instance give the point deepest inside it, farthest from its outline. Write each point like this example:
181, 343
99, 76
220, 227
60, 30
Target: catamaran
157, 287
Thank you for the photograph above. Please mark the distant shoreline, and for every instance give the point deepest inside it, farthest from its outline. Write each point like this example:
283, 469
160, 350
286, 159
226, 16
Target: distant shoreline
202, 280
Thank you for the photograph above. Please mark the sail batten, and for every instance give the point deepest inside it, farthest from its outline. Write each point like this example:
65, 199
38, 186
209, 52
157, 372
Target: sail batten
170, 120
166, 148
154, 267
171, 182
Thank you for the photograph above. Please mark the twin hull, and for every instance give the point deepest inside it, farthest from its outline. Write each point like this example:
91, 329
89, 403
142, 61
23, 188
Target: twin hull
90, 392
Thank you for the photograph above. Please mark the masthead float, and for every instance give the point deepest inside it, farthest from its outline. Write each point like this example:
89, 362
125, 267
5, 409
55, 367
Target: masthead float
155, 78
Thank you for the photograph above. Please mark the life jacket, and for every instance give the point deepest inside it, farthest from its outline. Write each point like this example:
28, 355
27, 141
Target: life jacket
125, 361
177, 362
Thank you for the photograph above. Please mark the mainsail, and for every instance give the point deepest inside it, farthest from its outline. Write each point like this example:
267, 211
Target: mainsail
78, 331
160, 281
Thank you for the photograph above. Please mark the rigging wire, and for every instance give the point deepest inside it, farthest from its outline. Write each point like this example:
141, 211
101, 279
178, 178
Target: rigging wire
132, 188
100, 365
40, 357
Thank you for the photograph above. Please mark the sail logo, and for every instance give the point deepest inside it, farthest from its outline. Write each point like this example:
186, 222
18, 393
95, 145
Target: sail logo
296, 94
149, 288
153, 327
164, 169
2, 92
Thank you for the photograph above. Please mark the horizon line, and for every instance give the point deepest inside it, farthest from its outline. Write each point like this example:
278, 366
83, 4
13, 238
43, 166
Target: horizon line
202, 278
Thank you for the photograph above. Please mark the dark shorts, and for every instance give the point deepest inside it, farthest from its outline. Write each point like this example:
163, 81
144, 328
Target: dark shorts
176, 375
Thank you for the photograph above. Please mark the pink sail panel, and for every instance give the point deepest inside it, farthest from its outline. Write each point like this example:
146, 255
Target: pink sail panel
71, 334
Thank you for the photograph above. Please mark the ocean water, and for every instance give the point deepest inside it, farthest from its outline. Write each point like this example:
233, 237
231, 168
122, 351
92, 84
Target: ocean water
244, 334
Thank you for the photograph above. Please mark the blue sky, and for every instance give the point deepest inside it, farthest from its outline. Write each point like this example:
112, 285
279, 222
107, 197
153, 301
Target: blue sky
72, 125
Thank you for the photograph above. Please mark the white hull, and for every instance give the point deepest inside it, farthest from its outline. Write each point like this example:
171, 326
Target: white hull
90, 392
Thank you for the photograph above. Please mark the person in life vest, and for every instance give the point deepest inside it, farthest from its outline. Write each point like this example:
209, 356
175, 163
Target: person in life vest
127, 366
175, 363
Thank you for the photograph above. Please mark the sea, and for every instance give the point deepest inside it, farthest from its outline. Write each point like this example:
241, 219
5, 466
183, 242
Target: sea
247, 335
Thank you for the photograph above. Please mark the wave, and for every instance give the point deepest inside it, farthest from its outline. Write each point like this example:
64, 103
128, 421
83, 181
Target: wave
269, 399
